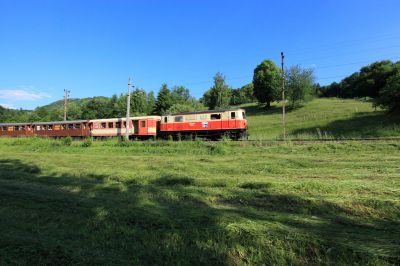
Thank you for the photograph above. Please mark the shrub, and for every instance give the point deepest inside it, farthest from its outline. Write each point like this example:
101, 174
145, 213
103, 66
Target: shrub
67, 141
217, 149
87, 142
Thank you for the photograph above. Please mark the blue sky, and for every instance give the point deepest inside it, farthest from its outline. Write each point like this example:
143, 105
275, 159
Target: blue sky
92, 47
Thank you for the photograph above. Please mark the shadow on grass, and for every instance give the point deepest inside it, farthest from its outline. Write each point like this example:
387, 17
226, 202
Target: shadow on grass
377, 124
95, 220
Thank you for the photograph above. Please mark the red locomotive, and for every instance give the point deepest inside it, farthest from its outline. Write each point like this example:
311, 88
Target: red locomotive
213, 124
210, 124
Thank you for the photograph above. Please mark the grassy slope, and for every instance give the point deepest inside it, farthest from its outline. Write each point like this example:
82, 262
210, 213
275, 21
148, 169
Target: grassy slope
199, 203
324, 118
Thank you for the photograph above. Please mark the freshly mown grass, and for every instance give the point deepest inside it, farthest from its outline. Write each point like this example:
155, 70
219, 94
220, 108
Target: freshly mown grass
323, 119
199, 203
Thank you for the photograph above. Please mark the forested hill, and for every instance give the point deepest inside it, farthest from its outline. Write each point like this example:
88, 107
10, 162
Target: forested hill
51, 112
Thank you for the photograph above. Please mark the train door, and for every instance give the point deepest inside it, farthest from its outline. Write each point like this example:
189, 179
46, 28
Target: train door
135, 127
232, 119
143, 130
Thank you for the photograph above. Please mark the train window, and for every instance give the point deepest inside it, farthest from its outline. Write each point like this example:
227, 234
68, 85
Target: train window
233, 115
50, 127
16, 128
56, 127
178, 118
70, 126
117, 124
124, 124
244, 115
110, 124
103, 125
142, 123
78, 126
44, 127
215, 116
165, 119
63, 127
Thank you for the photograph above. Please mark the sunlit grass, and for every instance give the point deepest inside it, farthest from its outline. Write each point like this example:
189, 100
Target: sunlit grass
323, 119
199, 202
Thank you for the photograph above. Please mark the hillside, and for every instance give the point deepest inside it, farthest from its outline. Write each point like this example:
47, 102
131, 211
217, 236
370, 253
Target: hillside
323, 118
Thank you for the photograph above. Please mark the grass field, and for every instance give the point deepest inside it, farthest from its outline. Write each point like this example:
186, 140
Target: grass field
230, 203
324, 119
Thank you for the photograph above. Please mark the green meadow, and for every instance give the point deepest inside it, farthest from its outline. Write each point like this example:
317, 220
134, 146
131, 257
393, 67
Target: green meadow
202, 203
325, 118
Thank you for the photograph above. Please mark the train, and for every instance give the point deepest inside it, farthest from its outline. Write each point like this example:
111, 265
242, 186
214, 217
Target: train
210, 124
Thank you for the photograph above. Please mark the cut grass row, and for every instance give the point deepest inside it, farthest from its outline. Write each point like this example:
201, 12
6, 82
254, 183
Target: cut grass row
192, 203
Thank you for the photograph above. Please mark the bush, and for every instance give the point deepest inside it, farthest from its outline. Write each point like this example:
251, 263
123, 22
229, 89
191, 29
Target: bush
67, 141
217, 149
389, 96
87, 143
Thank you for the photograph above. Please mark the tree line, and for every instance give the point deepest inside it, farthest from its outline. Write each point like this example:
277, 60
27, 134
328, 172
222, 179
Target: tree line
379, 81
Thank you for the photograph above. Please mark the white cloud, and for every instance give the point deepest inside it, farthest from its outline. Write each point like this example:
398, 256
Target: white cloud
9, 106
22, 95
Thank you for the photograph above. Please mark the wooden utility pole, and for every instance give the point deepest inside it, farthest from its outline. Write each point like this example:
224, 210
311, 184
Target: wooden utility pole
283, 98
128, 108
66, 91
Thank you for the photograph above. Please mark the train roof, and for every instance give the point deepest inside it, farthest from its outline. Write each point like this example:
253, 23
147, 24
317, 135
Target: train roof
124, 118
44, 123
208, 111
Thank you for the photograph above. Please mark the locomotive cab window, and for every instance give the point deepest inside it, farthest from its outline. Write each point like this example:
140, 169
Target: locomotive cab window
215, 116
178, 118
233, 115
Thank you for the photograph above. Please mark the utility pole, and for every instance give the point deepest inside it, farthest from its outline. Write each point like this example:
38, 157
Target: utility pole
283, 98
66, 91
128, 107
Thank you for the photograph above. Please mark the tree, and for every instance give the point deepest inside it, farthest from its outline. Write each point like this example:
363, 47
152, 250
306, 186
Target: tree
96, 108
243, 95
389, 96
180, 94
218, 96
373, 78
139, 102
163, 102
151, 102
299, 83
267, 82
